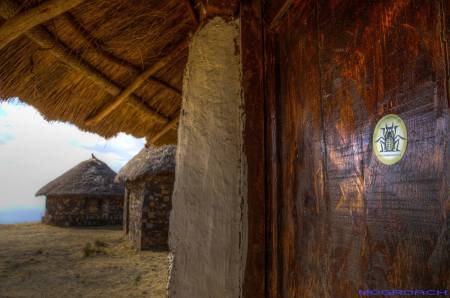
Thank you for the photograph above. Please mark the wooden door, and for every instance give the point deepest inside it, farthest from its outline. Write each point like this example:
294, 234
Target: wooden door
340, 220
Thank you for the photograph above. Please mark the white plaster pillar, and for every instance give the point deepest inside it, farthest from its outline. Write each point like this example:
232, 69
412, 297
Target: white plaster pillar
208, 219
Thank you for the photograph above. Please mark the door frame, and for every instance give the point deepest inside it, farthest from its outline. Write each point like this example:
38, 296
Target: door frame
253, 85
259, 22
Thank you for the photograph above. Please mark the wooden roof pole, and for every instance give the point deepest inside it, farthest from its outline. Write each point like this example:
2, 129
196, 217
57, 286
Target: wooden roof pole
221, 8
122, 97
45, 40
165, 129
24, 21
131, 68
174, 90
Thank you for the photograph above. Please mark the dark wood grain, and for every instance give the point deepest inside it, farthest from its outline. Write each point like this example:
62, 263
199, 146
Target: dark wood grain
272, 162
253, 91
224, 8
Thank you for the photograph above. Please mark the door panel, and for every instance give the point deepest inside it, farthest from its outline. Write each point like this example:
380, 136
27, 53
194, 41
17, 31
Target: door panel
345, 221
303, 221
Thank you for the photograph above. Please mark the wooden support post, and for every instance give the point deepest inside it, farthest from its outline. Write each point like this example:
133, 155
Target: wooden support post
165, 129
22, 22
135, 84
252, 58
45, 40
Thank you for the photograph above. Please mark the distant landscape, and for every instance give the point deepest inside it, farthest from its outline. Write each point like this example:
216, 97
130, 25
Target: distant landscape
18, 215
34, 151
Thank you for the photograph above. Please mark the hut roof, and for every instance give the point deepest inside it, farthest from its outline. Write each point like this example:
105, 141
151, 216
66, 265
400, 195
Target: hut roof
149, 162
107, 66
91, 177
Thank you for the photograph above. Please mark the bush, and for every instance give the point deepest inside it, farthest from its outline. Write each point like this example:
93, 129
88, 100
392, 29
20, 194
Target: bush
93, 249
99, 243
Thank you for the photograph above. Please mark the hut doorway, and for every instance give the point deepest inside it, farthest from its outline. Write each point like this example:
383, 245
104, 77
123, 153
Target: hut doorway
341, 222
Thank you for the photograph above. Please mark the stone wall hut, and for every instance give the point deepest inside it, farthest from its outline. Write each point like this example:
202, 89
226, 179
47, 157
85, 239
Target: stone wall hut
148, 179
86, 195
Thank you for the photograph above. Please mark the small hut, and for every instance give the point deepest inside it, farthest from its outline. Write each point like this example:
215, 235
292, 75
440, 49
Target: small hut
86, 195
149, 179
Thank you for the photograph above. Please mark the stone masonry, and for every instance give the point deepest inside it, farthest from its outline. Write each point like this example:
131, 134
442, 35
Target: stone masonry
147, 211
83, 211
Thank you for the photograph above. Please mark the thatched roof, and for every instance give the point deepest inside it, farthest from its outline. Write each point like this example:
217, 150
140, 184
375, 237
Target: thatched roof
74, 66
149, 162
91, 177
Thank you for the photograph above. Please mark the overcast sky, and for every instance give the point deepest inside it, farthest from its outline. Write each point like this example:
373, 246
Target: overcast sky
34, 151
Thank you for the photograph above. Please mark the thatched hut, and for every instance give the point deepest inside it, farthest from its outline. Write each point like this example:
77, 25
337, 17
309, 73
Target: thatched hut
86, 195
148, 179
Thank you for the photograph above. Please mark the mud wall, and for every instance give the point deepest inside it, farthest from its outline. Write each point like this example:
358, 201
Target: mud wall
134, 196
208, 220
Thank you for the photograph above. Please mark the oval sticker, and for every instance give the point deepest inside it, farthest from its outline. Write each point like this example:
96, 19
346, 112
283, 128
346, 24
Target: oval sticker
390, 139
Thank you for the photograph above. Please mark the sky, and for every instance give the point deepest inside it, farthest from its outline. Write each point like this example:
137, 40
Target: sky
34, 151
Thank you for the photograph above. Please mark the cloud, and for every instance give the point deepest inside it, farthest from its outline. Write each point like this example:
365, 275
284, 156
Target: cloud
2, 112
5, 137
34, 151
120, 149
5, 134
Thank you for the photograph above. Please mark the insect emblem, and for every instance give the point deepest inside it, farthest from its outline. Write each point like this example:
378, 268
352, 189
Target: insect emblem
390, 140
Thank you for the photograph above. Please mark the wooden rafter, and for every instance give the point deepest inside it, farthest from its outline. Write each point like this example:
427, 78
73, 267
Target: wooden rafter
166, 86
122, 97
222, 8
96, 46
45, 40
191, 11
165, 129
24, 21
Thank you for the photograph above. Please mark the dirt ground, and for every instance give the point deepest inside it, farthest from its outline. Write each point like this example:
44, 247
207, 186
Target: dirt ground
37, 260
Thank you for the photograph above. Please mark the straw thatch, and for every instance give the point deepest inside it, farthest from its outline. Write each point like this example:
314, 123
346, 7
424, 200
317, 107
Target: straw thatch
116, 40
91, 178
149, 162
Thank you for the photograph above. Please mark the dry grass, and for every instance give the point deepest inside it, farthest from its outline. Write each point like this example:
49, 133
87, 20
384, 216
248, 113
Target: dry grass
44, 261
117, 38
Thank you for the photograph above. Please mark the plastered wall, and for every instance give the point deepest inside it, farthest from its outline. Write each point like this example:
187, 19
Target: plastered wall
208, 220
